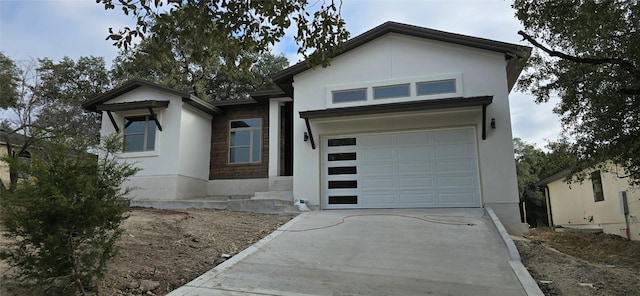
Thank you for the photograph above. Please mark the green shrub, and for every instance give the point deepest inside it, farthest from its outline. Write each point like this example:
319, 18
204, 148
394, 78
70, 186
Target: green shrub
65, 219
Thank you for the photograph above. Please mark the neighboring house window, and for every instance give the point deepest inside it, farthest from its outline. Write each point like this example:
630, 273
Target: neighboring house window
245, 140
596, 181
352, 95
436, 87
25, 161
139, 134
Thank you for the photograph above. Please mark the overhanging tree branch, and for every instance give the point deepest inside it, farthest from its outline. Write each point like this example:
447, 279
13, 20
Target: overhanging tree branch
625, 64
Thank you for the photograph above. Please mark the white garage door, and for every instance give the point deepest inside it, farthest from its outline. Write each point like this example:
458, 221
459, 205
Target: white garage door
437, 168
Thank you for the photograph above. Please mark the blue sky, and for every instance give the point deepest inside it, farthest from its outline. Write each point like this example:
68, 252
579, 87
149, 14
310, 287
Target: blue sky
74, 28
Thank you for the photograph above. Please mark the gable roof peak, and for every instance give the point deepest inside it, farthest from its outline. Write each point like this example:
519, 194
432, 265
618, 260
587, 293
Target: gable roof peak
512, 51
132, 84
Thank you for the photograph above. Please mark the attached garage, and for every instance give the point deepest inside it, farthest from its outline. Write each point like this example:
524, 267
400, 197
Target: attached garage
428, 168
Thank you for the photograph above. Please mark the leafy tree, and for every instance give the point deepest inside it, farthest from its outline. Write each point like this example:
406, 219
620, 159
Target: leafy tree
63, 86
9, 80
529, 162
64, 221
15, 129
174, 62
236, 27
588, 54
533, 165
45, 102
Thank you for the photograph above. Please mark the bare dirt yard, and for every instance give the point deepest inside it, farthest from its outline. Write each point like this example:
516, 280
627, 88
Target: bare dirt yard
162, 250
581, 264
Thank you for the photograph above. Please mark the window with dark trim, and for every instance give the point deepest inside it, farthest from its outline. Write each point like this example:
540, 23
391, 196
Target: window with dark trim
24, 158
343, 200
341, 156
341, 142
139, 134
596, 181
245, 140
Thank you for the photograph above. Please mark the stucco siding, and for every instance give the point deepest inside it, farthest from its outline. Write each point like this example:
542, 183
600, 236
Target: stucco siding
195, 143
163, 160
4, 166
394, 58
165, 187
178, 166
573, 205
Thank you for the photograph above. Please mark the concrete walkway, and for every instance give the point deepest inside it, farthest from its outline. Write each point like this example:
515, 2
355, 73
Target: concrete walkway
374, 252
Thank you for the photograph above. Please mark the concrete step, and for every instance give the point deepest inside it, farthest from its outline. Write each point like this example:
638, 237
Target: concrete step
279, 195
227, 197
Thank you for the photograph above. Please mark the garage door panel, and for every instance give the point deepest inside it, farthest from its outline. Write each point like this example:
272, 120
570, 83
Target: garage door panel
410, 169
386, 168
417, 198
376, 140
461, 136
456, 166
456, 182
378, 198
455, 198
425, 182
416, 167
454, 151
374, 154
414, 139
416, 153
377, 183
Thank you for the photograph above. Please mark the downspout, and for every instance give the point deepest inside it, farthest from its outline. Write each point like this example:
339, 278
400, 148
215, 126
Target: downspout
624, 208
626, 221
547, 198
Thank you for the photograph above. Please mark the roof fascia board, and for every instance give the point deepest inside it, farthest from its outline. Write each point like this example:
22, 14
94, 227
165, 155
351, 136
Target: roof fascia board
399, 107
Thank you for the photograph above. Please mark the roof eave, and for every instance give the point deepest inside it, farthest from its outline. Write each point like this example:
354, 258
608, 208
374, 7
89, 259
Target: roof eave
127, 87
555, 177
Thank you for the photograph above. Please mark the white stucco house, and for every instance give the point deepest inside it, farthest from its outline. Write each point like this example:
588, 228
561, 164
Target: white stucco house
403, 117
605, 201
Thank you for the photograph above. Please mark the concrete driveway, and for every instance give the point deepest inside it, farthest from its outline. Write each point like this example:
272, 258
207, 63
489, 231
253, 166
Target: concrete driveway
374, 252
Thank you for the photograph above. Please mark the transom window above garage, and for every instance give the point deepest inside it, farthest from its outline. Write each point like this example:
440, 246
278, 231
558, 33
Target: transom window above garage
392, 91
351, 95
395, 91
436, 87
